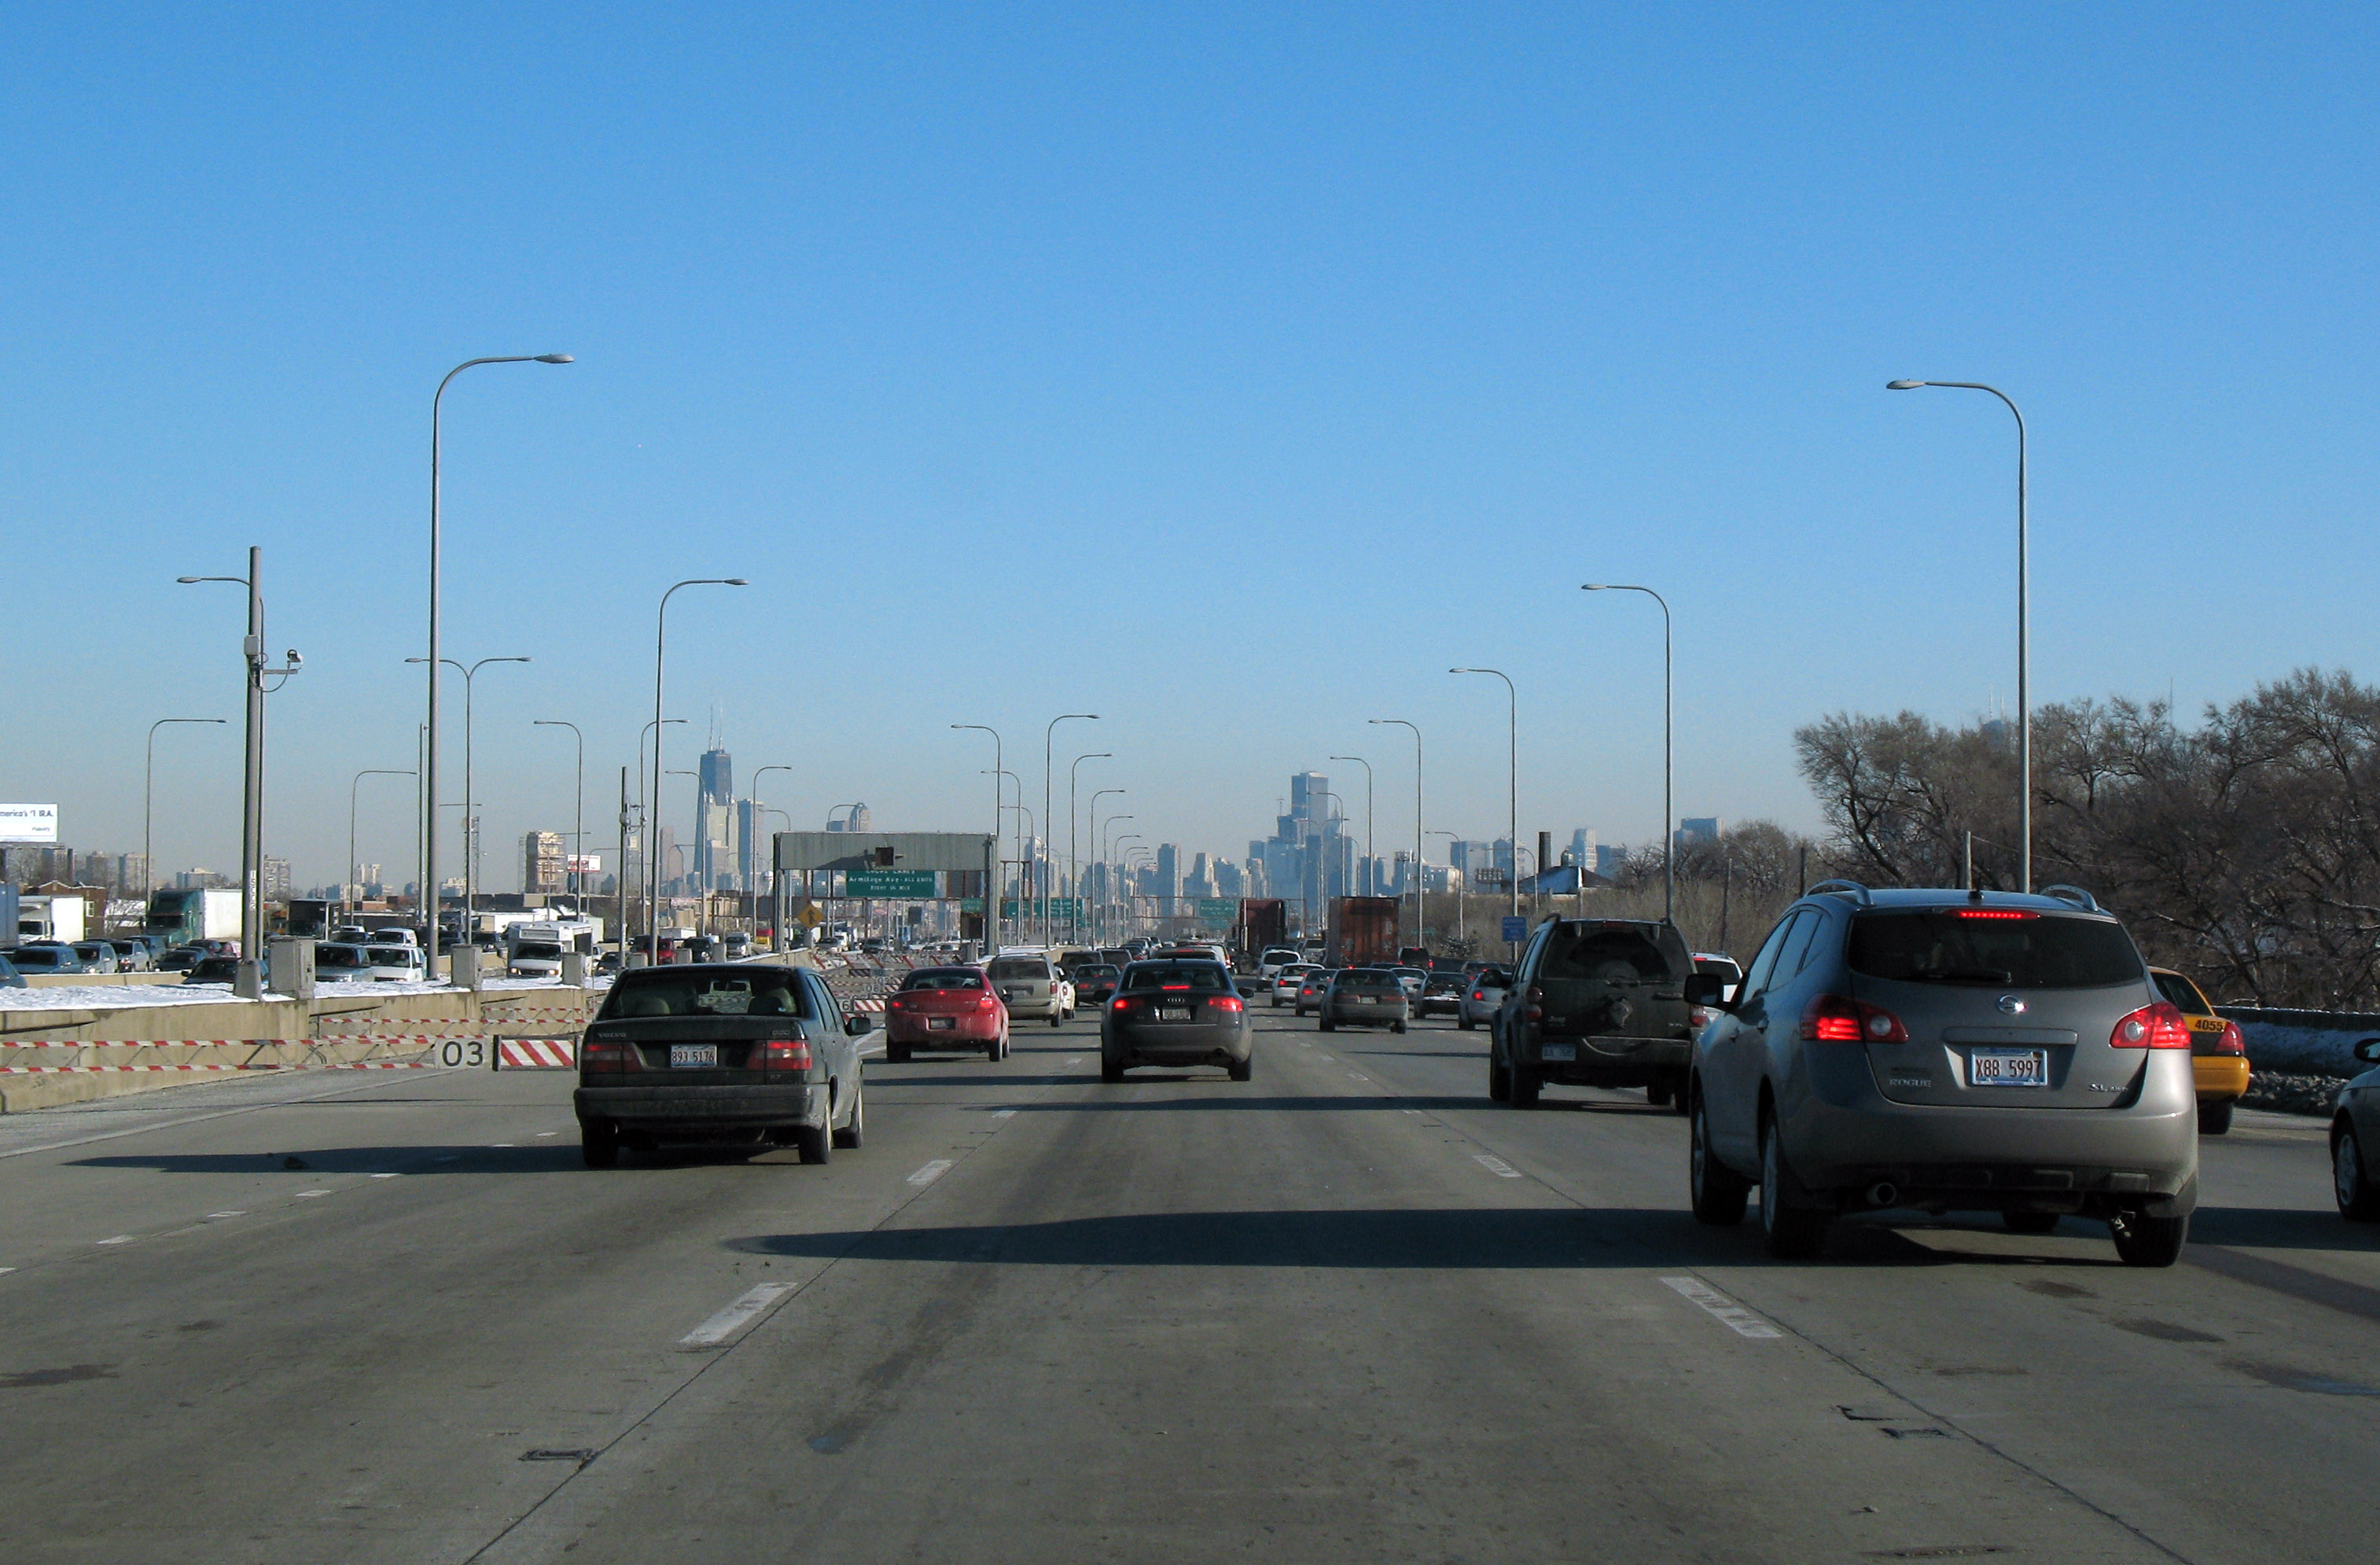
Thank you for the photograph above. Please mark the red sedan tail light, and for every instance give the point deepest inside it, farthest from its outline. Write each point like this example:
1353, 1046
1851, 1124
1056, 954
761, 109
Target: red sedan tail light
2152, 1026
1833, 1018
985, 1002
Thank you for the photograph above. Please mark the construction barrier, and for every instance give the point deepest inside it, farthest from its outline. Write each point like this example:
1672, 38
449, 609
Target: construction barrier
537, 1054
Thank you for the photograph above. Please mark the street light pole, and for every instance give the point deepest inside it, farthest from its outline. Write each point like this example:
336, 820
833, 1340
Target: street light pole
653, 812
1401, 722
353, 784
579, 831
1669, 820
991, 893
776, 909
1371, 869
471, 845
148, 789
2023, 635
1107, 856
1092, 816
434, 659
1074, 866
1047, 932
1513, 785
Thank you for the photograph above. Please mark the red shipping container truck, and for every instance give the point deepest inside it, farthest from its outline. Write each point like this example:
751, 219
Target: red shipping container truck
1363, 931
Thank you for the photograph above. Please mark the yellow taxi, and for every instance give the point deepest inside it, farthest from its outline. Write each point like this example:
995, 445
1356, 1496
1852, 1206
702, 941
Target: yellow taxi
2218, 1052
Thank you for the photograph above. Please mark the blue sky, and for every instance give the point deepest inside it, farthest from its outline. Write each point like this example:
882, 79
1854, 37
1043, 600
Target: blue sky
1232, 372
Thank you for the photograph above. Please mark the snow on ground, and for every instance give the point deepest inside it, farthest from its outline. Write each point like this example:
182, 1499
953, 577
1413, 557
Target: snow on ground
125, 997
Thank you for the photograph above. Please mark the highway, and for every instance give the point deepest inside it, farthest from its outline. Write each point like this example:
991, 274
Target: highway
1348, 1312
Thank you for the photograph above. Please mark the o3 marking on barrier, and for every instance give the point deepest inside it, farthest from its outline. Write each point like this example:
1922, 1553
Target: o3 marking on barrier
464, 1053
1726, 1311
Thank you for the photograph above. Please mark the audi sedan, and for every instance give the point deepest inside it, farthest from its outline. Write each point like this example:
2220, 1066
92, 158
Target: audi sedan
1177, 1013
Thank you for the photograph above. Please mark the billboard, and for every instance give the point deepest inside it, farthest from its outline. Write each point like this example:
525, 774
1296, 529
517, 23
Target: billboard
583, 863
35, 824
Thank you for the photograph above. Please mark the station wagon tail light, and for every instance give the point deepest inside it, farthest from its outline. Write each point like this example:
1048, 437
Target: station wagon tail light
2152, 1026
785, 1054
595, 1056
1834, 1018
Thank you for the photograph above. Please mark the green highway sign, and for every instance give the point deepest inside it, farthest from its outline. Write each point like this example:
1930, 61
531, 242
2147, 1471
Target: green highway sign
897, 883
1218, 911
1054, 907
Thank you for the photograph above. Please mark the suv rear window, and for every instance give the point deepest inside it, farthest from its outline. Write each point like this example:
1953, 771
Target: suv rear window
1176, 974
758, 992
1952, 946
1014, 967
1615, 954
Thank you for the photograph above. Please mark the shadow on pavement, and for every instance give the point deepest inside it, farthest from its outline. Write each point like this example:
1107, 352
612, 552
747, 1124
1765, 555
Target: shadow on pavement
541, 1156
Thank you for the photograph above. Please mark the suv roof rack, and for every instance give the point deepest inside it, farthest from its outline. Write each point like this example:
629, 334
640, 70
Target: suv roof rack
2076, 895
1850, 889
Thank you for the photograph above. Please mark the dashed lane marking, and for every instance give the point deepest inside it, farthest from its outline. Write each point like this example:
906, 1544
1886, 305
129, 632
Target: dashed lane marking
213, 1216
388, 1176
1496, 1166
5, 1270
1003, 1113
309, 1194
1359, 1075
119, 1238
736, 1316
1737, 1318
930, 1173
546, 1133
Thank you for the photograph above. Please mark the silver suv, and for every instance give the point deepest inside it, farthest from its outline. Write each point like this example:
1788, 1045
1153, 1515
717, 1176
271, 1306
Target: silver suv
1946, 1051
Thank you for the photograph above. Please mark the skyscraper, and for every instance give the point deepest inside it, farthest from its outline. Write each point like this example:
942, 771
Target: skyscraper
714, 843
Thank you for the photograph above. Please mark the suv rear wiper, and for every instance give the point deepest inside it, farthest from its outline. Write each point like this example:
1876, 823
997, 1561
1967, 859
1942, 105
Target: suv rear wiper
1964, 976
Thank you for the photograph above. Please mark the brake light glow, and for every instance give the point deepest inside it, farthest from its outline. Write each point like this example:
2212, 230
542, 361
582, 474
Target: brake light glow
1225, 1003
1171, 988
594, 1056
785, 1054
1534, 1004
1478, 994
2152, 1026
1994, 912
1122, 1003
1834, 1018
984, 1002
2233, 1041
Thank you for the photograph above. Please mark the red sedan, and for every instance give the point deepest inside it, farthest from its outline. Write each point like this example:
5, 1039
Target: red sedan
945, 1008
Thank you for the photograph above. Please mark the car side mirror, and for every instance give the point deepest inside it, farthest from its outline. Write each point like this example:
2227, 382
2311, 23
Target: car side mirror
857, 1024
1706, 989
2369, 1051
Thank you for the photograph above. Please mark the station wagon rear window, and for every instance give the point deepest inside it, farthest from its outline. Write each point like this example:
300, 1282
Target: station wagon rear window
754, 993
1993, 946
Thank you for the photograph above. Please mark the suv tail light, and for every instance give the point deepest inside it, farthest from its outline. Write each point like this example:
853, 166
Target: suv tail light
1534, 1004
1834, 1018
2152, 1026
594, 1056
785, 1054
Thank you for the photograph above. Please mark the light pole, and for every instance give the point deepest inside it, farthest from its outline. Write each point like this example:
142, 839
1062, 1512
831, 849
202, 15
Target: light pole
776, 934
1092, 816
434, 659
353, 784
1371, 871
1047, 934
1002, 776
653, 815
1462, 925
1074, 866
991, 893
2024, 635
579, 831
470, 806
148, 789
1123, 897
1668, 821
1401, 722
1512, 786
249, 985
1098, 831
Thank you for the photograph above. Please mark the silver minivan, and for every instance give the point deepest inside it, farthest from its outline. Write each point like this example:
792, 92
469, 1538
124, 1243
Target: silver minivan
1946, 1051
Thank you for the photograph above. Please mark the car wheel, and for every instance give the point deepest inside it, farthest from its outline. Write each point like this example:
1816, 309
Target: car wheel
1243, 1070
1327, 1025
2030, 1222
815, 1143
2215, 1118
1500, 1076
1657, 1093
897, 1053
1466, 1023
855, 1131
1719, 1191
1792, 1232
1057, 1021
2350, 1178
599, 1143
2143, 1241
1526, 1085
1396, 1026
1111, 1069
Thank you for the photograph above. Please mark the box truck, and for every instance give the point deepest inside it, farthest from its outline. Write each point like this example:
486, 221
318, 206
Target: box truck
1363, 931
185, 917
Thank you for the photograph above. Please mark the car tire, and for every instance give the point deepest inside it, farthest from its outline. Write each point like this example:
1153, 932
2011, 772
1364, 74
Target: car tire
2215, 1118
1243, 1070
2351, 1176
1327, 1025
599, 1143
897, 1053
815, 1143
2030, 1222
1526, 1085
1466, 1023
2143, 1241
1657, 1093
1789, 1231
1110, 1070
1719, 1192
1499, 1077
1396, 1026
1057, 1021
854, 1130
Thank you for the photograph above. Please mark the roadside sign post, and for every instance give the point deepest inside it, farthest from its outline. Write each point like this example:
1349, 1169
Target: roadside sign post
1516, 928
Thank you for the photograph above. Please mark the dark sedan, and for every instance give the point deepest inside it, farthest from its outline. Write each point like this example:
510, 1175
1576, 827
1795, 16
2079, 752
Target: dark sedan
1177, 1013
735, 1053
1367, 997
1095, 984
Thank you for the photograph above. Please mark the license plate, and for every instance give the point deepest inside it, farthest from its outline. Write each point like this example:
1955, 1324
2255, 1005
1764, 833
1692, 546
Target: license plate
1367, 999
1557, 1051
1172, 1012
694, 1056
2008, 1067
940, 1024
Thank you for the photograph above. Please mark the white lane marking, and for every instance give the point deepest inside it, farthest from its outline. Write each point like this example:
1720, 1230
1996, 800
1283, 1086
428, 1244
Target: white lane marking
1003, 1113
1722, 1308
212, 1216
388, 1176
735, 1318
546, 1133
494, 1143
5, 1270
1359, 1075
930, 1173
305, 1194
119, 1238
1415, 1112
1496, 1166
1075, 1060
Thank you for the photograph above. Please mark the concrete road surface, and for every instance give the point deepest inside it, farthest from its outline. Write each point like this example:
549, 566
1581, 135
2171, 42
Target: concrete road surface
1350, 1311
